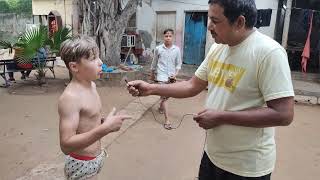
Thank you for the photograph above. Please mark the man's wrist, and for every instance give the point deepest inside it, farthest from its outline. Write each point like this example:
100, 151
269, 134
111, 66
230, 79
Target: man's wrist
222, 117
153, 89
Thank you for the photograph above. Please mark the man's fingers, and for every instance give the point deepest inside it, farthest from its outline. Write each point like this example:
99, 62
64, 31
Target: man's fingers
133, 91
133, 83
131, 88
197, 117
203, 111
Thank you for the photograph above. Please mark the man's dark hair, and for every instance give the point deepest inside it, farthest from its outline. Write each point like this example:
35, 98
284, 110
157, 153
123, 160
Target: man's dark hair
168, 30
235, 8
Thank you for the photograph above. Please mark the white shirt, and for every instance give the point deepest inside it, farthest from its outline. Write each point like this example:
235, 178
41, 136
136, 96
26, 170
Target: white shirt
166, 62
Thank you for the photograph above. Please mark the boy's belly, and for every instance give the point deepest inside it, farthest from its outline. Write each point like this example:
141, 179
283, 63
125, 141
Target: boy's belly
92, 151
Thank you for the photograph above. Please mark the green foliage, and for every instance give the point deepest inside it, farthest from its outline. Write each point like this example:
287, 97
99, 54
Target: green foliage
58, 38
31, 41
16, 6
4, 7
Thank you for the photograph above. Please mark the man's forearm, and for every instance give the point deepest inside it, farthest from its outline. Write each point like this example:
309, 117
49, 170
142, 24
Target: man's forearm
259, 118
181, 89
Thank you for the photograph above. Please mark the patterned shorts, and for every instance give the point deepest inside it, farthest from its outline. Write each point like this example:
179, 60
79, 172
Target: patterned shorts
76, 169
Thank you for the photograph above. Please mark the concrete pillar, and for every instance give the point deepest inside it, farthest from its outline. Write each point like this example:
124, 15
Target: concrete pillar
286, 24
75, 17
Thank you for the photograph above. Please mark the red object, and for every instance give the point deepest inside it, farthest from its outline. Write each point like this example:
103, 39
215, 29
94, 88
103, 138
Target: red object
80, 157
306, 51
25, 66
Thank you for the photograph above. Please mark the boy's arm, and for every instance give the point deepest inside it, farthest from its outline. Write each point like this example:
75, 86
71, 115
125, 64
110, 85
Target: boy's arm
178, 62
69, 111
154, 64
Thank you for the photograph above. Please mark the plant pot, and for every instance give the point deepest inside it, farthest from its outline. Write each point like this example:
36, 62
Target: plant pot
21, 63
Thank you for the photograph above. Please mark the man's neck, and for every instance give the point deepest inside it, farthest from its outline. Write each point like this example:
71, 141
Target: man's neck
244, 36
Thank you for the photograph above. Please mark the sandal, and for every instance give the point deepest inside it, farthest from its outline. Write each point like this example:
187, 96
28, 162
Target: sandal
161, 111
167, 126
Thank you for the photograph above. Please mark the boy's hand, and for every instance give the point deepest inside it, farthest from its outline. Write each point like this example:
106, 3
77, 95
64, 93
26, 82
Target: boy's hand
139, 88
113, 121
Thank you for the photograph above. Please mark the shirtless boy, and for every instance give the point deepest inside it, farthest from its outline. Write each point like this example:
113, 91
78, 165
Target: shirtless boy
81, 122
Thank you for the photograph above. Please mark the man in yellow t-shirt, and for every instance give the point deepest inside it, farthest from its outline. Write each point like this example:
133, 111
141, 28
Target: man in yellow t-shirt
249, 93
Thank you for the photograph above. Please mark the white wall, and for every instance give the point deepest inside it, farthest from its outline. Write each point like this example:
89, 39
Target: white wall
65, 8
269, 4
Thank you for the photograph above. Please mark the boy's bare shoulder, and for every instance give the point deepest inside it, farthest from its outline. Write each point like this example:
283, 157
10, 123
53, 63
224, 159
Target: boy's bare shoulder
69, 97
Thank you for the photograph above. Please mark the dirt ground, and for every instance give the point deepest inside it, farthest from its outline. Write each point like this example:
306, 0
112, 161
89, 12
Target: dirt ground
147, 151
29, 136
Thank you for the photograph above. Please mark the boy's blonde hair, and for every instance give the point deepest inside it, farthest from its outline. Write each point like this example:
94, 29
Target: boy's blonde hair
72, 50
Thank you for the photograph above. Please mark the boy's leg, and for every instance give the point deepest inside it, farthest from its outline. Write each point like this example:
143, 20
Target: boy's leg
11, 76
167, 123
23, 75
161, 106
28, 73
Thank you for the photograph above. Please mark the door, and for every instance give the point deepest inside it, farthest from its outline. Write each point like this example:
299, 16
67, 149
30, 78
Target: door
195, 37
165, 20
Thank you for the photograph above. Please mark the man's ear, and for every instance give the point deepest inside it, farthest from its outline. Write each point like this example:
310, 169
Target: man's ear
240, 22
73, 66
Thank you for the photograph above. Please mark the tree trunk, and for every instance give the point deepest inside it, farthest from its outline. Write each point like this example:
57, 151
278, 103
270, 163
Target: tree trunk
106, 21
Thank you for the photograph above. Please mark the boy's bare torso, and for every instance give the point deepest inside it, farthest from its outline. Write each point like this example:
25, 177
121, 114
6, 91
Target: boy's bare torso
89, 116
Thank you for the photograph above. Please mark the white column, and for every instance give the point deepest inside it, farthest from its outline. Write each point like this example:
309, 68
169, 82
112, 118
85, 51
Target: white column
286, 24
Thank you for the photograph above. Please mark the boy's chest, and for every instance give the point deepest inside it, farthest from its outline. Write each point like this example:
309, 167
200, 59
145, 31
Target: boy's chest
91, 105
166, 54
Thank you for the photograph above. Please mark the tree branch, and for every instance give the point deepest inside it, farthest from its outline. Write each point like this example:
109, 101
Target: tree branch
128, 11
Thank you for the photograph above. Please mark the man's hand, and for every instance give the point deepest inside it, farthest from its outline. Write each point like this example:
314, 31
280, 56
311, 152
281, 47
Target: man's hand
208, 119
139, 88
113, 121
153, 76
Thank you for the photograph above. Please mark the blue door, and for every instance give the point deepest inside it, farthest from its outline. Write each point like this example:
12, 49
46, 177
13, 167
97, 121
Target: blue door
195, 37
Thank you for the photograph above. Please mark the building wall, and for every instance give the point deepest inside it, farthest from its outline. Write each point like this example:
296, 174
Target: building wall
64, 7
12, 24
146, 17
270, 4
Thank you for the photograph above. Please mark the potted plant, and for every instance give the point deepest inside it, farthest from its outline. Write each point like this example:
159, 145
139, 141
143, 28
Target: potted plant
27, 47
30, 46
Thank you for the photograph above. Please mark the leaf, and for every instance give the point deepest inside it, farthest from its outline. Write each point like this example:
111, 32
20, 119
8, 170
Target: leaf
31, 41
59, 37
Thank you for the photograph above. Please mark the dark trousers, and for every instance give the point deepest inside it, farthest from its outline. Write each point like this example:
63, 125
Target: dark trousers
208, 171
23, 73
14, 66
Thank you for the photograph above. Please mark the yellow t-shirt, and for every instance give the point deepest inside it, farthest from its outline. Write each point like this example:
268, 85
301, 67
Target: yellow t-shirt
241, 77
